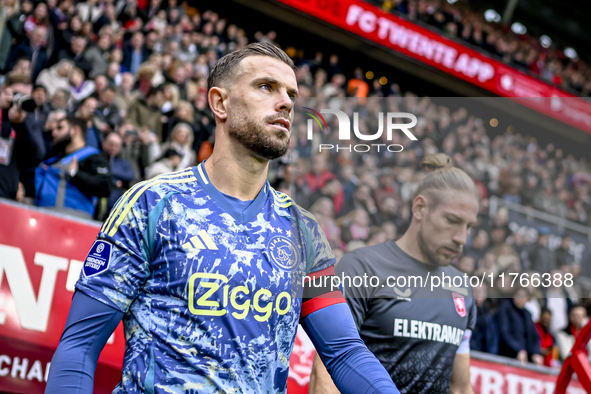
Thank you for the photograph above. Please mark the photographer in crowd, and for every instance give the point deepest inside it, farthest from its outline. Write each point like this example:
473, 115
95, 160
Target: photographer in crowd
21, 141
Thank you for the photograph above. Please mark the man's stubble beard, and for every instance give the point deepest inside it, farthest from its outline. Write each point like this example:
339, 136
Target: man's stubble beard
60, 145
256, 139
432, 256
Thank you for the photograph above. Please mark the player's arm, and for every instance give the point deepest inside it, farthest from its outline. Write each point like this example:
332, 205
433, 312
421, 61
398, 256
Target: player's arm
330, 326
112, 275
327, 320
460, 375
89, 326
320, 380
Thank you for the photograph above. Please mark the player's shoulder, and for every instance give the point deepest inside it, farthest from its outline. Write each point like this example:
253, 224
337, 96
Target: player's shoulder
144, 197
372, 256
297, 210
176, 182
280, 199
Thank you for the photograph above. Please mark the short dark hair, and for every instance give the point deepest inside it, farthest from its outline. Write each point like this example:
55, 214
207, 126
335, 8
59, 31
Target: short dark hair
37, 86
73, 121
226, 66
23, 58
155, 90
170, 152
113, 133
110, 86
15, 77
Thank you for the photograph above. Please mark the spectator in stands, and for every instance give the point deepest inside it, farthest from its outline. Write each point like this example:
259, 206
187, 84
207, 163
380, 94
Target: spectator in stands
357, 86
9, 29
32, 48
363, 200
478, 244
485, 337
107, 112
563, 253
125, 92
518, 335
134, 54
548, 346
323, 210
98, 55
319, 173
61, 100
23, 65
183, 113
332, 190
43, 109
72, 180
114, 73
181, 140
145, 113
355, 226
565, 338
56, 77
89, 11
50, 124
21, 140
389, 210
466, 264
543, 260
76, 53
87, 113
168, 162
80, 88
121, 169
385, 187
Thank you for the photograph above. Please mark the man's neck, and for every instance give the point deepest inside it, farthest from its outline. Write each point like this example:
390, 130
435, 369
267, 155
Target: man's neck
412, 248
74, 146
236, 173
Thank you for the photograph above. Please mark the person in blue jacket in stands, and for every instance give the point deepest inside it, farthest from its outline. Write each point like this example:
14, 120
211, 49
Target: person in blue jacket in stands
518, 335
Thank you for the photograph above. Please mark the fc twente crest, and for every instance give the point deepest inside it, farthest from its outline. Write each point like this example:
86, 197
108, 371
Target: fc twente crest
460, 304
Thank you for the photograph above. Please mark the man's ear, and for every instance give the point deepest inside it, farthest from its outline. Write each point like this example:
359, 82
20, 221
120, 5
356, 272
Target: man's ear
75, 132
217, 98
420, 207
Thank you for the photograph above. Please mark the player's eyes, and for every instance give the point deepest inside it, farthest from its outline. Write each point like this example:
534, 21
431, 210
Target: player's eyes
266, 86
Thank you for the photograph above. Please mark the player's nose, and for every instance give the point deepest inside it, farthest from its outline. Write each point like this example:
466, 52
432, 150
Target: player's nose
461, 236
285, 102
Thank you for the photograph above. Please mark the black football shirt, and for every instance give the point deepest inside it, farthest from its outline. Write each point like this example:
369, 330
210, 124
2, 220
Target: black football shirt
413, 329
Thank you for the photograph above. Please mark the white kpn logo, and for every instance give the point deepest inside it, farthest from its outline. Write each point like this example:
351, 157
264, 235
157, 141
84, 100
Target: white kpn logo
345, 129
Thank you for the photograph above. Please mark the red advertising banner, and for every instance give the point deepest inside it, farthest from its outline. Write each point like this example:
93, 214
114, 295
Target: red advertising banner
428, 47
488, 377
495, 378
40, 260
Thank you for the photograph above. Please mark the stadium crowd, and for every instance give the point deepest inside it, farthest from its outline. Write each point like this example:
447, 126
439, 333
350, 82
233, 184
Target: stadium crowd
462, 22
126, 83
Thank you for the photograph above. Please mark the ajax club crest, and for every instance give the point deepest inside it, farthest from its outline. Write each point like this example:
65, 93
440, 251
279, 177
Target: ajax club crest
283, 252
